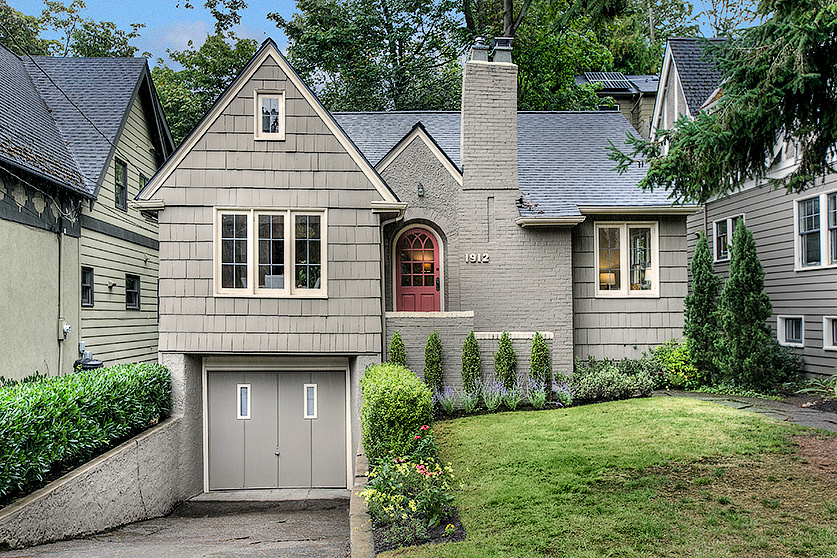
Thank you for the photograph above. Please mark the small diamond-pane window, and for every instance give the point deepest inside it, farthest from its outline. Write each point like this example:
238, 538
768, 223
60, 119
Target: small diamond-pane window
243, 403
310, 401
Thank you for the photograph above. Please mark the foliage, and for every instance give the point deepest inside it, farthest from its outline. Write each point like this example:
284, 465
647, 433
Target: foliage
446, 399
725, 16
10, 382
396, 403
21, 33
747, 351
505, 362
700, 324
564, 392
729, 388
397, 352
512, 397
471, 364
779, 85
492, 394
825, 388
677, 367
187, 95
52, 423
539, 368
470, 400
362, 55
536, 393
608, 380
433, 362
103, 39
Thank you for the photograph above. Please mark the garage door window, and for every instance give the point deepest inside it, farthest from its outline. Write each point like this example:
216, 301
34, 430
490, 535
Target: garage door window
243, 401
310, 401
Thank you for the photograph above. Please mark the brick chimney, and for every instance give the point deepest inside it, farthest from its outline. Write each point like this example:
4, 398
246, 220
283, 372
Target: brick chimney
489, 118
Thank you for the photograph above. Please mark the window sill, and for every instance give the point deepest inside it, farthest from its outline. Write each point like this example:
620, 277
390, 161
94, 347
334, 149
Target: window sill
624, 296
814, 267
318, 295
832, 348
792, 345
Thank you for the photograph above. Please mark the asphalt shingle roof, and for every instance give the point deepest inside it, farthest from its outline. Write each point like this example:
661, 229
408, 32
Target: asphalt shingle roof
699, 74
562, 156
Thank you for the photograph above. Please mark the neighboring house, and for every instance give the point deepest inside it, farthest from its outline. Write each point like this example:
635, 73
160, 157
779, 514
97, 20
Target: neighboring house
795, 234
635, 95
294, 242
78, 138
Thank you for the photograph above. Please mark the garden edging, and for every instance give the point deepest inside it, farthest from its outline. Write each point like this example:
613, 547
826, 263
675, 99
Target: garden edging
360, 523
134, 481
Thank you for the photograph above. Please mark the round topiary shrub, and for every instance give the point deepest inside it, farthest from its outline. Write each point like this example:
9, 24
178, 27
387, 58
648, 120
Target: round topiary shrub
396, 404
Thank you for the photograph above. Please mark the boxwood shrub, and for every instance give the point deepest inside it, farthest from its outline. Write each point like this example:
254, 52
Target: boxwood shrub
58, 422
396, 404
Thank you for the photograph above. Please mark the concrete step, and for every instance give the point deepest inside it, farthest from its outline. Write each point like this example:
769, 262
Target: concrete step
224, 502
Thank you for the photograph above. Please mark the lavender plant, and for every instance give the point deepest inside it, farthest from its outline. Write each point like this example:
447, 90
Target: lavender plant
492, 394
446, 399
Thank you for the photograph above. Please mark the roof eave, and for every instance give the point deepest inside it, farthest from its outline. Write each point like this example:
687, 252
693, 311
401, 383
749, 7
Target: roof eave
639, 210
527, 222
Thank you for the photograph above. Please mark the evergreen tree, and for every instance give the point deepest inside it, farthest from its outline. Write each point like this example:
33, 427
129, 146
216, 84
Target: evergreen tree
433, 362
471, 364
505, 362
700, 326
747, 348
539, 368
397, 352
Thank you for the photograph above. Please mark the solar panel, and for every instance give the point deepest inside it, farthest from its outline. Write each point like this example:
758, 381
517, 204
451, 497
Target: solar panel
611, 81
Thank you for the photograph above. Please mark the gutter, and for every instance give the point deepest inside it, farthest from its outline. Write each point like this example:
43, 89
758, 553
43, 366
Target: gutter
147, 205
526, 222
639, 210
389, 207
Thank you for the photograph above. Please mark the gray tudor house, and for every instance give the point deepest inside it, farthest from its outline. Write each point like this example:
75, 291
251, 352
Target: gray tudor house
795, 234
79, 137
294, 242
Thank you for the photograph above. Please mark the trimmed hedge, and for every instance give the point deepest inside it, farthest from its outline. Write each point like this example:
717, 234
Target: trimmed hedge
396, 404
58, 422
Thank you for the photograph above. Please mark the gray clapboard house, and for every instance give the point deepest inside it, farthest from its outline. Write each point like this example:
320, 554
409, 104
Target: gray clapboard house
78, 138
294, 242
795, 234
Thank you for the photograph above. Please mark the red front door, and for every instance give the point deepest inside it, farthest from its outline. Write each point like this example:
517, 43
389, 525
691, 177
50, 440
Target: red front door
417, 275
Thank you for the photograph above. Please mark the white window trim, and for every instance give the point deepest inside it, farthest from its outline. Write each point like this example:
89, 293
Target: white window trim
624, 291
238, 413
828, 342
305, 414
258, 95
780, 331
824, 245
252, 290
729, 221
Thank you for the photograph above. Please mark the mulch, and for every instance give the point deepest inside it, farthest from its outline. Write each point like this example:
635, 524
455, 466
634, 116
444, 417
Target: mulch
436, 534
812, 402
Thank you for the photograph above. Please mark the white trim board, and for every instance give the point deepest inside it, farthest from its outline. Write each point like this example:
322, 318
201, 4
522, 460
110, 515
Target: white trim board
419, 132
268, 50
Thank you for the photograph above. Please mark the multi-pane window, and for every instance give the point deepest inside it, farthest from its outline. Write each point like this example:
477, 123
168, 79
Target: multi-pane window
417, 259
307, 251
132, 292
809, 231
724, 229
829, 333
87, 286
789, 330
816, 231
270, 253
627, 259
270, 115
120, 184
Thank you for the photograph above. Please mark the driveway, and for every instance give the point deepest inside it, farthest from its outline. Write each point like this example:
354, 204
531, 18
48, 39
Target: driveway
285, 534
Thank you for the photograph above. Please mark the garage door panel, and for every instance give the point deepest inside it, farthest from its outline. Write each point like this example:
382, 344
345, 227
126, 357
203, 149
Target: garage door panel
295, 432
328, 430
261, 431
226, 432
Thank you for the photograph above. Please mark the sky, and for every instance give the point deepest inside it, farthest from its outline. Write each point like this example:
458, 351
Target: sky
170, 27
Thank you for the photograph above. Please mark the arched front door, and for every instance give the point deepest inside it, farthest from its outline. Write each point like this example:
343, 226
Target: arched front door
417, 282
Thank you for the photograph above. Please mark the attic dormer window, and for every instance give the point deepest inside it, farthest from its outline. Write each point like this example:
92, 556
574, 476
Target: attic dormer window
270, 115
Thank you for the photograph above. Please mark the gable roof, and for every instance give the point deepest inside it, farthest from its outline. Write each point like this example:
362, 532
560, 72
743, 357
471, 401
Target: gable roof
698, 72
420, 133
563, 168
267, 50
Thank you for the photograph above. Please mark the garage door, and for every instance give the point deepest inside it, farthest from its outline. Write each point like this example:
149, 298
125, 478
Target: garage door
276, 429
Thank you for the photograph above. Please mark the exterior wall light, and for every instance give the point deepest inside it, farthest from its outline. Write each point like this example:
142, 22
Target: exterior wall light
420, 190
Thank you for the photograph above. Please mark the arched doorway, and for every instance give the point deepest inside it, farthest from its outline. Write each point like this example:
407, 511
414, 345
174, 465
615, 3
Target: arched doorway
417, 272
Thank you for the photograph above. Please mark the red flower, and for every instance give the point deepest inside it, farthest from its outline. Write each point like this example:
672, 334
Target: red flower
425, 427
417, 437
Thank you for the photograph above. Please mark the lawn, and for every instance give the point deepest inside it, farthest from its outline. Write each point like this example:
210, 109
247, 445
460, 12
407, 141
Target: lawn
637, 478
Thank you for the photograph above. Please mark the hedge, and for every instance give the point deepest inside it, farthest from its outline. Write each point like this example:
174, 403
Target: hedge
59, 422
396, 404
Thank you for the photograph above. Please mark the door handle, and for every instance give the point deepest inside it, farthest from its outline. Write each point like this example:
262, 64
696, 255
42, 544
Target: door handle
437, 284
276, 453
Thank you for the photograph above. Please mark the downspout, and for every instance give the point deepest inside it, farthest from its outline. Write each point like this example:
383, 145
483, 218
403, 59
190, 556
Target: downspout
60, 297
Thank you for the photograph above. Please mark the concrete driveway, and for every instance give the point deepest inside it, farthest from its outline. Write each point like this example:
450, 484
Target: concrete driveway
287, 534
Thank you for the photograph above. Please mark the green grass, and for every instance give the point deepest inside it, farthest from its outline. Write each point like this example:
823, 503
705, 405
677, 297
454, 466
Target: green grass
639, 478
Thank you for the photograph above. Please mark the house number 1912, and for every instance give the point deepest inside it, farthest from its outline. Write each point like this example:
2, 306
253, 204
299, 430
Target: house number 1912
476, 258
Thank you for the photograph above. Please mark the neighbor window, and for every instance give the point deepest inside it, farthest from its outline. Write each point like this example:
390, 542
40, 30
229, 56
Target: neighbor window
120, 184
627, 257
789, 330
270, 253
816, 231
724, 229
132, 292
87, 286
270, 115
829, 333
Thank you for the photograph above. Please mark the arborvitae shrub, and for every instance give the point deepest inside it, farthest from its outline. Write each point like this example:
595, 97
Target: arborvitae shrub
433, 362
539, 368
505, 362
396, 404
471, 364
700, 325
397, 352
